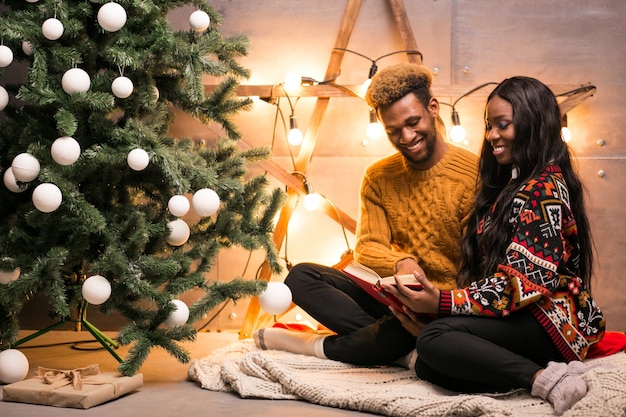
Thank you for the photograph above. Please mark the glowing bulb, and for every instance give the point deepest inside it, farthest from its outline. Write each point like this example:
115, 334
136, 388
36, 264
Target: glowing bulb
566, 134
375, 129
292, 81
312, 201
366, 84
294, 137
457, 133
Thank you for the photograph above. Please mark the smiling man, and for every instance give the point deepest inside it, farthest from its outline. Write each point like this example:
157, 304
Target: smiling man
414, 206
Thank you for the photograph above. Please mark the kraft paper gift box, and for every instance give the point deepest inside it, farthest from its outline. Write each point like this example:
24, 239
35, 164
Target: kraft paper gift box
76, 388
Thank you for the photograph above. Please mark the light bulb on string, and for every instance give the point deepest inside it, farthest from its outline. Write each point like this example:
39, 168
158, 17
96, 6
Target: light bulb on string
292, 81
566, 134
375, 129
295, 136
457, 133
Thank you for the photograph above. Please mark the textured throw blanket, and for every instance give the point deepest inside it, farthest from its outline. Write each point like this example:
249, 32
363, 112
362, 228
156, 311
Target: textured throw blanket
389, 391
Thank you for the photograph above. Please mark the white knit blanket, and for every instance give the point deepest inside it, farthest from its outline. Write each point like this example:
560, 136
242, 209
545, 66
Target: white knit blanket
388, 391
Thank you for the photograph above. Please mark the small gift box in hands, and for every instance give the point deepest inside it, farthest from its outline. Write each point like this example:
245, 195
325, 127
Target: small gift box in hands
76, 388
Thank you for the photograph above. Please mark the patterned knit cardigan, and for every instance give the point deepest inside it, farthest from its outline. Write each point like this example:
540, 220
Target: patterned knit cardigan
539, 271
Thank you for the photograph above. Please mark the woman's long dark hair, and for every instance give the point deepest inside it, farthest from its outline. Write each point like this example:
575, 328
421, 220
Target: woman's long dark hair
537, 144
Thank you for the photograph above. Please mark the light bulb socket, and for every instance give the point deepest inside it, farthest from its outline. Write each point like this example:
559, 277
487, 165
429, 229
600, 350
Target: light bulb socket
373, 69
373, 117
564, 120
293, 122
456, 121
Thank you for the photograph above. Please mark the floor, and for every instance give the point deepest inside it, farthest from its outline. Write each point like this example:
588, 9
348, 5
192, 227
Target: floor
166, 390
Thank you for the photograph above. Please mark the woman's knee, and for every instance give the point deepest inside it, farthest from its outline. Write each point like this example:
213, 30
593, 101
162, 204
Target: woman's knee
427, 337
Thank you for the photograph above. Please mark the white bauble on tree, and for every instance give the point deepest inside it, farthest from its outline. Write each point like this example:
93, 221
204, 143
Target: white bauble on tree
7, 277
276, 298
65, 150
138, 159
96, 289
52, 29
27, 48
75, 80
205, 202
111, 17
179, 232
25, 167
199, 21
6, 56
178, 205
11, 183
47, 197
4, 98
179, 316
122, 87
13, 366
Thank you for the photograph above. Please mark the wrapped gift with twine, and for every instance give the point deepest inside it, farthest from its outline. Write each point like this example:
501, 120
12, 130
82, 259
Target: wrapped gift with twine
75, 388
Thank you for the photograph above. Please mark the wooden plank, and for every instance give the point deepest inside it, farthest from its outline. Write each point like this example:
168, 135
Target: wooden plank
337, 91
406, 32
251, 321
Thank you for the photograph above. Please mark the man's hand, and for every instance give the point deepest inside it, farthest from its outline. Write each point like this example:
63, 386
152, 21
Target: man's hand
412, 322
424, 301
408, 266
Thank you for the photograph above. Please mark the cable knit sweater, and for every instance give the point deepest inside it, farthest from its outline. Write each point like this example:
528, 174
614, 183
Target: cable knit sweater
407, 213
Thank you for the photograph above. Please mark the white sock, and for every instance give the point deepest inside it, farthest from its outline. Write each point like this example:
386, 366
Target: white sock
408, 360
304, 343
561, 384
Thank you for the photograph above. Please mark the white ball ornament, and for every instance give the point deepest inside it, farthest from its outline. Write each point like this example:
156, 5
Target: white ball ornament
47, 197
65, 150
27, 48
178, 205
138, 159
7, 277
112, 17
96, 289
276, 298
6, 56
32, 1
52, 29
13, 366
11, 183
122, 87
75, 80
4, 98
179, 232
199, 21
205, 202
25, 167
179, 316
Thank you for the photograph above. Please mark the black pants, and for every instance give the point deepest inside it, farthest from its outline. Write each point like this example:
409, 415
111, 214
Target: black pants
367, 332
483, 354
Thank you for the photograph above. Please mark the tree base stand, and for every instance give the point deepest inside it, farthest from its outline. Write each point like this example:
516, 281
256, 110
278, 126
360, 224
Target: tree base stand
106, 342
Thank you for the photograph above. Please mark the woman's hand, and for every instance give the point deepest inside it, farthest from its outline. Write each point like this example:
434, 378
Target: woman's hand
418, 301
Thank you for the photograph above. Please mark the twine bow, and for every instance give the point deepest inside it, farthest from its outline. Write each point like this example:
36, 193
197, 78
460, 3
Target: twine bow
60, 377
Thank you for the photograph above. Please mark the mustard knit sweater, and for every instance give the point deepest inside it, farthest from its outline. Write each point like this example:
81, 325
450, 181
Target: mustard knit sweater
407, 213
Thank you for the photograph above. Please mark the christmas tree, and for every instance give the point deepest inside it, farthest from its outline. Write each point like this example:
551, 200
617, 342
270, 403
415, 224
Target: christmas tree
95, 195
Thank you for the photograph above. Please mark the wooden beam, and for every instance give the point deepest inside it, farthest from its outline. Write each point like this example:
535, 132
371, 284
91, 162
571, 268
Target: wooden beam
252, 319
332, 90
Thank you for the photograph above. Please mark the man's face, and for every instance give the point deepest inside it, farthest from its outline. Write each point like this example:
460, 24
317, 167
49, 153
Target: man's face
411, 128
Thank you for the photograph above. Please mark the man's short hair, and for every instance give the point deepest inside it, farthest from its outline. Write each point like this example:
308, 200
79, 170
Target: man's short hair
396, 81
